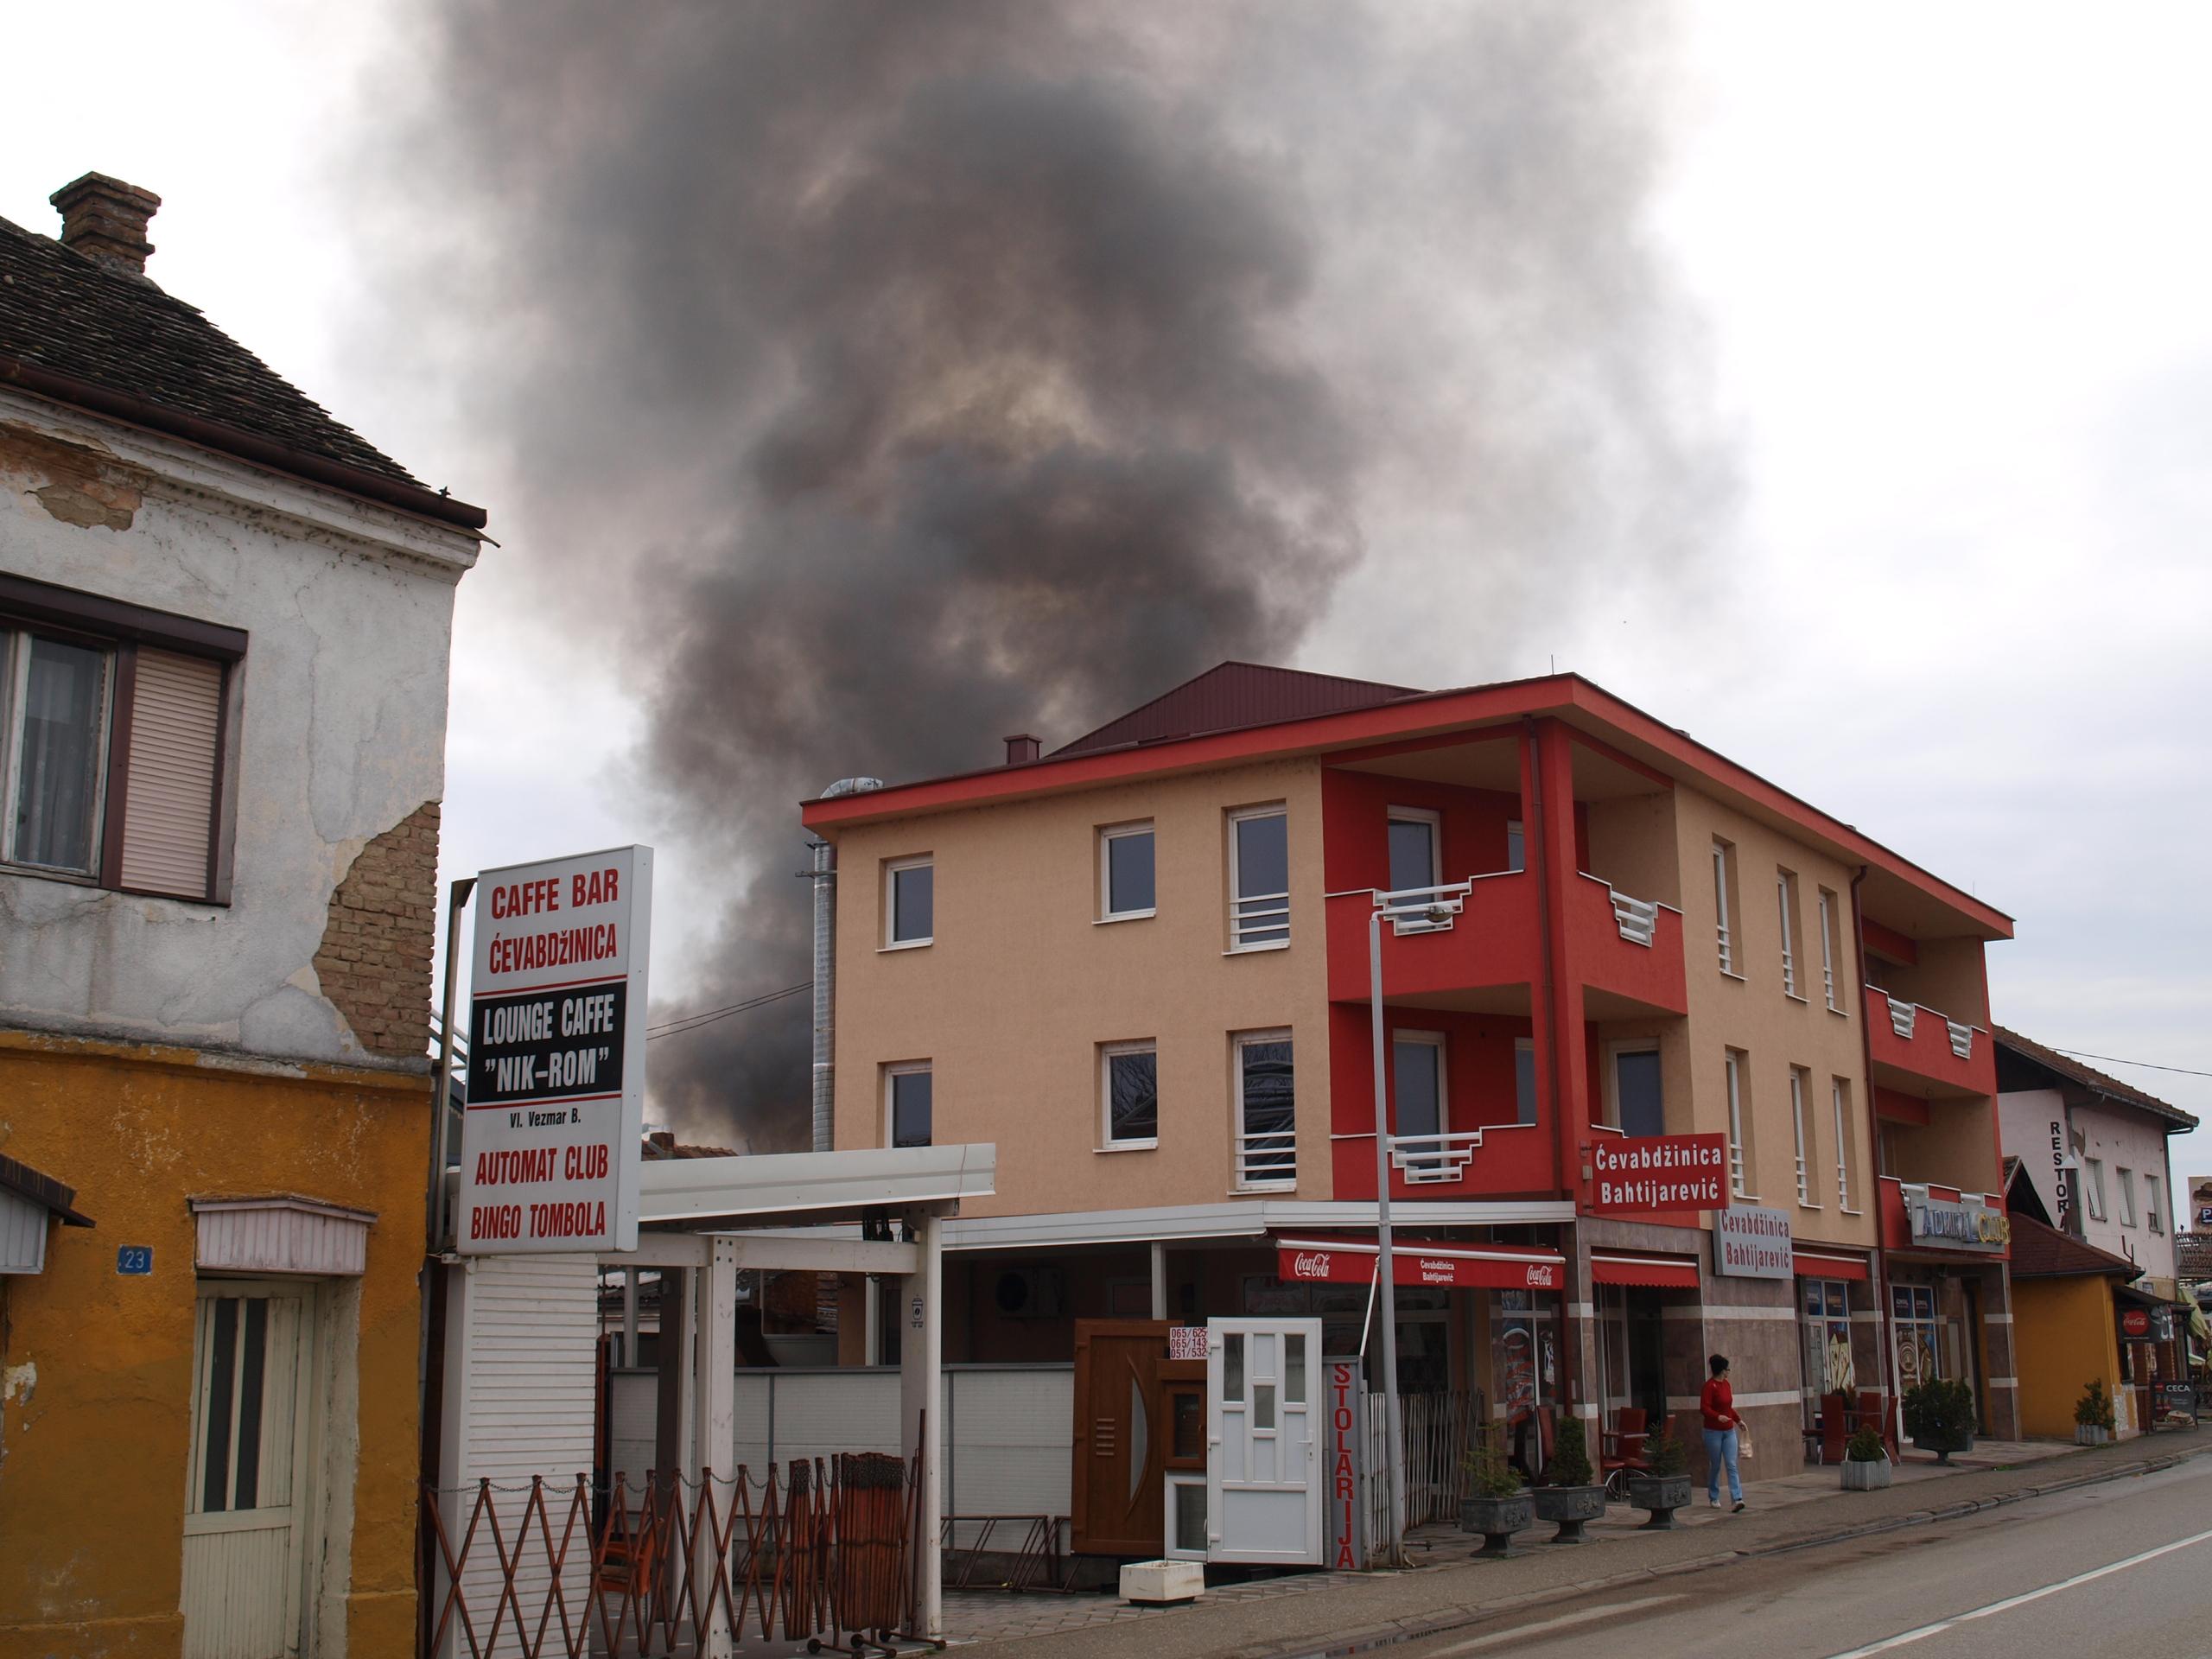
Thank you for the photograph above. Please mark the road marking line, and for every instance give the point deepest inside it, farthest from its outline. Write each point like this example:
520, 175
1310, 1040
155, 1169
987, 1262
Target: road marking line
2021, 1600
1565, 1619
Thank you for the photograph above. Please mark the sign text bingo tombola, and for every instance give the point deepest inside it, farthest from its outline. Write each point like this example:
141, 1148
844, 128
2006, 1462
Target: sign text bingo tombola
556, 1067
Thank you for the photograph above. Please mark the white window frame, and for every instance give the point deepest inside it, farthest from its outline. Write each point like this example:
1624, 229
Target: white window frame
1722, 853
2125, 1177
2092, 1187
1108, 1052
1237, 1043
1828, 950
892, 868
15, 690
2150, 1202
1808, 1138
1838, 1088
1738, 1154
1107, 834
1785, 888
1238, 945
1435, 820
906, 1069
1429, 1040
1611, 1080
1526, 1046
1516, 840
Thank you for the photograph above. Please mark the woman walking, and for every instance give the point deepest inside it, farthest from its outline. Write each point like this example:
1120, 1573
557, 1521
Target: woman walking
1717, 1406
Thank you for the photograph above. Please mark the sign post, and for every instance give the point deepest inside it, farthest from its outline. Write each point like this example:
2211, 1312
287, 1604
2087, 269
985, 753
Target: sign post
556, 1056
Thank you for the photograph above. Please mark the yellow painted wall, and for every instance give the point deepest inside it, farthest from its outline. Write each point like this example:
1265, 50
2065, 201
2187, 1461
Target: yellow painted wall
92, 1457
2063, 1335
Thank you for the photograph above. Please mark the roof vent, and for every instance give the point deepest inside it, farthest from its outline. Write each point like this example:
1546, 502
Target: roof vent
1021, 746
106, 219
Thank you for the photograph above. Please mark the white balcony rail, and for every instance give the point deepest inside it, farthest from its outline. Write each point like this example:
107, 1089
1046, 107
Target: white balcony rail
1902, 1016
1257, 918
1267, 1158
1961, 1038
1432, 1160
1788, 970
1638, 918
1904, 1019
1804, 1189
1727, 957
1424, 910
1827, 983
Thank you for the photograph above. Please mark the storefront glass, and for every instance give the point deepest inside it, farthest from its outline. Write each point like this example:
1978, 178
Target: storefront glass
1912, 1310
1829, 1368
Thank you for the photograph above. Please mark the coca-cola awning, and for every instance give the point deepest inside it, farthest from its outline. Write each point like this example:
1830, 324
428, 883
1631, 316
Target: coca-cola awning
1417, 1262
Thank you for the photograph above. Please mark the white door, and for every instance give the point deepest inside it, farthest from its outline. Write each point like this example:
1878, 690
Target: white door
1263, 1488
253, 1372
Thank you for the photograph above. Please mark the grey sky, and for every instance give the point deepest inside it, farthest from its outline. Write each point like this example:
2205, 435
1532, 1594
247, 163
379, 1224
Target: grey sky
1947, 265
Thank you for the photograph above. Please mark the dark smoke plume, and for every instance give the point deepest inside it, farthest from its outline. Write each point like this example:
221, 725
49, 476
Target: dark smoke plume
926, 372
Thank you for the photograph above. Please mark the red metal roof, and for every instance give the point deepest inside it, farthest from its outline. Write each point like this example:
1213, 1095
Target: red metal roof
2089, 1077
1234, 695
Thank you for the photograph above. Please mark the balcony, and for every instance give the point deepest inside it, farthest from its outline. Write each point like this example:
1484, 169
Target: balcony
1920, 1051
1628, 951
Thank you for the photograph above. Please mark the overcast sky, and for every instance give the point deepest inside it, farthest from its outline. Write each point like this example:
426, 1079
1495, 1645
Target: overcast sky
1946, 268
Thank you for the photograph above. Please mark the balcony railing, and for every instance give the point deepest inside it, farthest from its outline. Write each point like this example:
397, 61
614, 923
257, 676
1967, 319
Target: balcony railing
1430, 1160
1929, 1046
1638, 918
1267, 1158
1258, 919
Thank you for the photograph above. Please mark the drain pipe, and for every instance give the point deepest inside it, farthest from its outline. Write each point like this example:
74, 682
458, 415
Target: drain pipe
822, 872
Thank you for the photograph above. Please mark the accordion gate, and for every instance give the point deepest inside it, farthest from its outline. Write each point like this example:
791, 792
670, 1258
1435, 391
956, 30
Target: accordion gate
824, 1550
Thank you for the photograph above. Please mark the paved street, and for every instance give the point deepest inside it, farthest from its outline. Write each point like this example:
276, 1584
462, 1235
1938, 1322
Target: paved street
2120, 1569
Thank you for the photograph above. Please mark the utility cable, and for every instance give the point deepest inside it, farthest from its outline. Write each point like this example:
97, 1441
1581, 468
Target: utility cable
693, 1022
2114, 1059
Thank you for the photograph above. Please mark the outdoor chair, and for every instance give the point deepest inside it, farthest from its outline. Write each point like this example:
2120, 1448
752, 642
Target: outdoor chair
1622, 1451
1834, 1427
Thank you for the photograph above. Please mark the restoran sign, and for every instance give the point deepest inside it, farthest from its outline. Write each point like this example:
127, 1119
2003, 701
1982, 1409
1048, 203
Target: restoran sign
1962, 1224
556, 1056
1751, 1242
1652, 1174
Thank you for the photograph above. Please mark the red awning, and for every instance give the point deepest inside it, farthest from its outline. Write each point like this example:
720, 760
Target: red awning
1811, 1264
1491, 1267
1668, 1272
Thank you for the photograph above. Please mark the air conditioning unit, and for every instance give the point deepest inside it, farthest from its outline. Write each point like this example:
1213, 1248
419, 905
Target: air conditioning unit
1031, 1293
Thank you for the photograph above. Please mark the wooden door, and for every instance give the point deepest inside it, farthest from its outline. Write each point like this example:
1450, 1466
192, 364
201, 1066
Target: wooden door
1119, 1492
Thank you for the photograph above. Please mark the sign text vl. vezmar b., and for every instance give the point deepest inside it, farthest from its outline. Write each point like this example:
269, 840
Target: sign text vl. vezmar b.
555, 1082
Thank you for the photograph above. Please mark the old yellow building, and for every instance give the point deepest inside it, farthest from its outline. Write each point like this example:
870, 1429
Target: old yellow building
224, 633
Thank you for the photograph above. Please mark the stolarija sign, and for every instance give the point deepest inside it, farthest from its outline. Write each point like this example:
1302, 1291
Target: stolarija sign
556, 1056
1346, 1392
1652, 1174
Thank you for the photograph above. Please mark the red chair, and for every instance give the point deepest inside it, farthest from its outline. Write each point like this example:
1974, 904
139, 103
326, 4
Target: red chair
1835, 1428
1621, 1453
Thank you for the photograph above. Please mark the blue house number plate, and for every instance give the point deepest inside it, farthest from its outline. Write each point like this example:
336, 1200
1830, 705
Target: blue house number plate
135, 1260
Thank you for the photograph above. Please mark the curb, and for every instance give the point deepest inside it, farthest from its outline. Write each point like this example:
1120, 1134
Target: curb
1414, 1629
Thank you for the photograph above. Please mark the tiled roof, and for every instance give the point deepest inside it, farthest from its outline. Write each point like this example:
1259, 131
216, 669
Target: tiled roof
1233, 696
2088, 1077
2041, 1252
78, 318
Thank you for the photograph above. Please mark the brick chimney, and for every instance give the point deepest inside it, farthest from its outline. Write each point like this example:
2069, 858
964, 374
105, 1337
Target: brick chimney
1021, 746
106, 219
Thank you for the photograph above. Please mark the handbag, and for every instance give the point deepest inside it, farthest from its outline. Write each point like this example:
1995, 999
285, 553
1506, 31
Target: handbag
1743, 1442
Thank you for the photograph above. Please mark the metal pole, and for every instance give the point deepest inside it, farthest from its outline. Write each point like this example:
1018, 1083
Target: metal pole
434, 1210
1386, 1264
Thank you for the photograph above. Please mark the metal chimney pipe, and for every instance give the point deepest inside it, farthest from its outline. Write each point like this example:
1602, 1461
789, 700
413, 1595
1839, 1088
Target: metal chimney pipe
824, 875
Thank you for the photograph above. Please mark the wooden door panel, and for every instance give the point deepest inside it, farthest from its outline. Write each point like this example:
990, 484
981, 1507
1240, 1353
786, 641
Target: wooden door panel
1118, 1496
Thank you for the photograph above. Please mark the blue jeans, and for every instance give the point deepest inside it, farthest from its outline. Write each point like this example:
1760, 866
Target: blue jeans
1719, 1449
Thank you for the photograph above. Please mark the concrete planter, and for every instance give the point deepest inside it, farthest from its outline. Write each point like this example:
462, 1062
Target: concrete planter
1660, 1495
1570, 1506
2092, 1434
1943, 1449
1497, 1519
1866, 1477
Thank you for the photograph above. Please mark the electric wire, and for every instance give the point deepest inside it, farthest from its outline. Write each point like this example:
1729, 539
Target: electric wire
2114, 1059
707, 1017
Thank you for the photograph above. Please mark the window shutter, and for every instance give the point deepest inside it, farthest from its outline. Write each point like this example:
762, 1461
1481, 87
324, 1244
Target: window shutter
175, 722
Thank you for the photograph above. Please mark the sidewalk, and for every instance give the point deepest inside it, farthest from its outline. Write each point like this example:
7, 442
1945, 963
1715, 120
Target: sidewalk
1341, 1612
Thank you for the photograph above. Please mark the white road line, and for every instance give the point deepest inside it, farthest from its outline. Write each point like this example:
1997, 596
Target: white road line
1520, 1632
2010, 1602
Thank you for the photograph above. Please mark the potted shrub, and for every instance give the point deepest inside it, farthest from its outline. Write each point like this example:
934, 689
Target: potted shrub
1866, 1461
1940, 1417
1572, 1496
2093, 1418
1496, 1506
1664, 1486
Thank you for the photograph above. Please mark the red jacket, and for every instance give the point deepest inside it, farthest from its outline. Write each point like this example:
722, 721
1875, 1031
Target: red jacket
1718, 1404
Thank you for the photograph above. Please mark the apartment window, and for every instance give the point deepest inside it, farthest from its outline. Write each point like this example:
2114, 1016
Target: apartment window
1417, 1084
1839, 1097
2126, 1177
1125, 884
1415, 836
1266, 1111
1739, 1124
2150, 1204
1635, 1102
906, 1105
112, 726
1517, 853
1128, 1083
1724, 861
1828, 950
1785, 890
1808, 1141
909, 902
2092, 1187
1259, 879
1524, 1079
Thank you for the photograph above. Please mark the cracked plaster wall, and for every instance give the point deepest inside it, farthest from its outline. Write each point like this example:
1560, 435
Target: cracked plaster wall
342, 738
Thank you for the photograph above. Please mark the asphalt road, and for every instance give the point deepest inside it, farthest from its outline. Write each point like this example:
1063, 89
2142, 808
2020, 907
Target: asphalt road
2122, 1568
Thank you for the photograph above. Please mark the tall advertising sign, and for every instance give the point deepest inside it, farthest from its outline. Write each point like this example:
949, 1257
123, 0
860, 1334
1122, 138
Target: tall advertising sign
556, 1056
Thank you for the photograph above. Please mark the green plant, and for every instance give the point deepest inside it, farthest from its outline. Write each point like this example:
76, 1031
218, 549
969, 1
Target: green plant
1489, 1475
1939, 1413
2093, 1408
1865, 1445
1571, 1461
1664, 1457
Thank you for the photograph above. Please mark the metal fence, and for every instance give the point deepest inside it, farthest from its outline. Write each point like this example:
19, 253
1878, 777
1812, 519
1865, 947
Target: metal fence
822, 1549
1438, 1431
